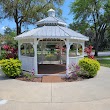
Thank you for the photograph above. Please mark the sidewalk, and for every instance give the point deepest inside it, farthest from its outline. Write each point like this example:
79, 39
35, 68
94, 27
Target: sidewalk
91, 94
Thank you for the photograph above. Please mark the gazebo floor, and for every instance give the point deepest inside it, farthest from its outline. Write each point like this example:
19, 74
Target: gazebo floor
51, 69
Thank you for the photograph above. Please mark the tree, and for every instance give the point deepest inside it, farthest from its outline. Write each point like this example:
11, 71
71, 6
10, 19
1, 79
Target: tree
80, 27
8, 37
27, 11
94, 13
9, 32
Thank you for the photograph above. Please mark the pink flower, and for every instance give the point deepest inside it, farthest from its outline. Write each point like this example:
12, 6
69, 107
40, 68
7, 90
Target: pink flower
6, 47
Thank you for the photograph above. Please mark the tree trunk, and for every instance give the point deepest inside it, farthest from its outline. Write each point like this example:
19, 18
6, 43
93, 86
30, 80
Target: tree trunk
96, 50
18, 28
96, 44
96, 53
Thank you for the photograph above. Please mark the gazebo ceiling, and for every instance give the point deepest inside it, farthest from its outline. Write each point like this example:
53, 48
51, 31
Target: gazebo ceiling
52, 27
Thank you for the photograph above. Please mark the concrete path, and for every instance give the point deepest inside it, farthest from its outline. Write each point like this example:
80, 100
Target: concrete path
91, 94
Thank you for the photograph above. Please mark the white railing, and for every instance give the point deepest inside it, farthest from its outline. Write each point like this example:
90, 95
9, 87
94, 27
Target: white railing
75, 59
27, 63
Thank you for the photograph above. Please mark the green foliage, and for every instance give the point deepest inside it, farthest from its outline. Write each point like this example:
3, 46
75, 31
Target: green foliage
29, 77
96, 13
104, 62
27, 11
90, 65
51, 57
11, 67
80, 27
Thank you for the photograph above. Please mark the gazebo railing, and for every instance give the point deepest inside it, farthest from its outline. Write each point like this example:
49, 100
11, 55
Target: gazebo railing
27, 63
75, 59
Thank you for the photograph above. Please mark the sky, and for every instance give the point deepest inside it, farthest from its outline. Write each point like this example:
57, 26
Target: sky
66, 15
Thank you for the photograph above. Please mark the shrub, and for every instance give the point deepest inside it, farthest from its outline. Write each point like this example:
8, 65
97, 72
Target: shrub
50, 57
30, 76
90, 65
11, 67
75, 71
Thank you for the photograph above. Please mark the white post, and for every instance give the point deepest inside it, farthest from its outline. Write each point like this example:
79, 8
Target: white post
19, 50
83, 47
76, 49
0, 50
67, 56
25, 48
60, 53
41, 52
35, 56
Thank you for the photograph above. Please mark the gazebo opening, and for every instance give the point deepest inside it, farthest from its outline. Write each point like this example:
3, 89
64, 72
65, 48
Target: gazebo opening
51, 56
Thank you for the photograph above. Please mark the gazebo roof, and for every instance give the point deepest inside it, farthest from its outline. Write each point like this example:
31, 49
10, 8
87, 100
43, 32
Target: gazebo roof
52, 32
51, 21
52, 27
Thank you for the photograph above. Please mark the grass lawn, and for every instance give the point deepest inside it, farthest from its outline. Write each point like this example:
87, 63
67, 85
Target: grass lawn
103, 57
105, 63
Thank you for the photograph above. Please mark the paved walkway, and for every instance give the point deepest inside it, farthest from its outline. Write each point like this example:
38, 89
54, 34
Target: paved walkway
91, 94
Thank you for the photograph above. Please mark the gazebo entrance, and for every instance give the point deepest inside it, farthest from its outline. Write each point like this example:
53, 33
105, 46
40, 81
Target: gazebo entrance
51, 56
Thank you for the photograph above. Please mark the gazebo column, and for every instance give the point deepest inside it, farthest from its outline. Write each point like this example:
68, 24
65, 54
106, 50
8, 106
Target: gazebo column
41, 52
83, 47
35, 56
67, 56
19, 49
0, 49
77, 53
60, 53
25, 49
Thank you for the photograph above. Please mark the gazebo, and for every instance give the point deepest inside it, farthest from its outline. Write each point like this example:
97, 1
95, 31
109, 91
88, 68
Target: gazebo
54, 32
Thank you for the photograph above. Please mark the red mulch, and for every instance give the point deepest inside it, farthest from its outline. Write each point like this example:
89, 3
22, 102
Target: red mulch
50, 69
50, 79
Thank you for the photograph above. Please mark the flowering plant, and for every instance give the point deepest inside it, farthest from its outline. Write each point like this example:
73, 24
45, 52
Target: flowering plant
88, 50
6, 47
75, 70
10, 52
30, 76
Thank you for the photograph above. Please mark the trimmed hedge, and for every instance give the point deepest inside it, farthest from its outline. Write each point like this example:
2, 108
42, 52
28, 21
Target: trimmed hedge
11, 67
90, 65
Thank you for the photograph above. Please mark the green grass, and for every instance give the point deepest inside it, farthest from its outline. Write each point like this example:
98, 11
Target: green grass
103, 57
105, 63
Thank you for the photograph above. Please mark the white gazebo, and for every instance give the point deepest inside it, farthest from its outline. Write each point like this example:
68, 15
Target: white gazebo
50, 30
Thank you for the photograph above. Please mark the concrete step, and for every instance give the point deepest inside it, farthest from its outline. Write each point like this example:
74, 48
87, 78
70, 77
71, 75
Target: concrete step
52, 79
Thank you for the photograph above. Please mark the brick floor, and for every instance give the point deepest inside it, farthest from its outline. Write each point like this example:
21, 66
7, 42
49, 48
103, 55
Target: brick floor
51, 69
52, 79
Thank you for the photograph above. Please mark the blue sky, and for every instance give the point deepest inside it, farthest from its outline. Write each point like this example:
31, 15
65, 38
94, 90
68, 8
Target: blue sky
68, 18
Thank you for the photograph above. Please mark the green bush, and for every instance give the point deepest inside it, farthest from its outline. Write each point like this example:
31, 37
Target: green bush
11, 67
90, 65
51, 57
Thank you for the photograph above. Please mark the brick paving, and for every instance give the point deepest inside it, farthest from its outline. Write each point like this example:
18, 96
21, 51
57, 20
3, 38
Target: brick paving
52, 79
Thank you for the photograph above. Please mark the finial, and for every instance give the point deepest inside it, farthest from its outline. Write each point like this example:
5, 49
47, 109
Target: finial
51, 13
